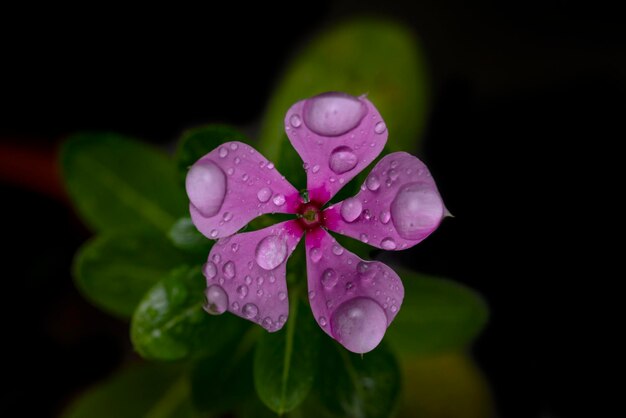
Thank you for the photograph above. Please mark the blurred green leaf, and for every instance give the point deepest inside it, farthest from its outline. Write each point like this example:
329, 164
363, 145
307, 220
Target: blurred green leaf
115, 270
379, 58
285, 362
354, 386
149, 390
185, 235
198, 142
116, 182
171, 324
437, 315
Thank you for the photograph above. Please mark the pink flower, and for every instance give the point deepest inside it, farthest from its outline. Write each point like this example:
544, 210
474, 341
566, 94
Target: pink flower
353, 300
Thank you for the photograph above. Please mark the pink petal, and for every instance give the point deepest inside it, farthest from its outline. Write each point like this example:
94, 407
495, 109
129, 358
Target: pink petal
245, 274
354, 301
337, 136
232, 185
398, 205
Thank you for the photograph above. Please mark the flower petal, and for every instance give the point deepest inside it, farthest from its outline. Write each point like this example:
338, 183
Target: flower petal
232, 185
398, 205
337, 136
245, 274
353, 300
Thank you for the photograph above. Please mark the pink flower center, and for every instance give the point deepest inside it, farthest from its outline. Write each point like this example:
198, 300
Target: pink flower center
309, 216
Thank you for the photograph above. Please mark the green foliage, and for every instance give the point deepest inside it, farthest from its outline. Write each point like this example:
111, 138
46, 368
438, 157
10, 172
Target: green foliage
185, 236
170, 323
118, 183
437, 315
285, 362
115, 270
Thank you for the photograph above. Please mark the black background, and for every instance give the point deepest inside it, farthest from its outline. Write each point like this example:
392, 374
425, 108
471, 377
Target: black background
526, 98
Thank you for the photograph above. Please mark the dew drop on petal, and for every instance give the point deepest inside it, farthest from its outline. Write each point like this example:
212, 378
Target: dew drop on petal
235, 306
295, 121
380, 127
216, 300
237, 160
217, 257
234, 247
271, 252
282, 295
337, 249
364, 238
333, 114
214, 233
242, 291
359, 324
366, 270
227, 216
234, 146
372, 182
329, 278
209, 269
223, 152
267, 323
279, 200
316, 254
250, 310
416, 210
206, 187
323, 321
229, 269
385, 216
315, 169
248, 280
351, 209
342, 159
388, 244
264, 194
311, 295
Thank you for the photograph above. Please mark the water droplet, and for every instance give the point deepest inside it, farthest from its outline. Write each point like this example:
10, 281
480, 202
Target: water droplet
372, 182
305, 166
250, 265
416, 210
234, 146
242, 291
262, 164
245, 177
271, 252
359, 324
250, 310
366, 270
316, 254
393, 174
216, 300
235, 306
234, 247
364, 238
227, 216
279, 200
394, 308
367, 214
349, 286
337, 249
351, 209
260, 280
264, 194
259, 292
270, 165
295, 121
342, 159
282, 319
385, 216
206, 187
380, 127
329, 278
223, 152
322, 321
333, 114
315, 168
282, 295
214, 233
329, 303
267, 323
311, 295
229, 269
209, 269
237, 160
248, 280
388, 244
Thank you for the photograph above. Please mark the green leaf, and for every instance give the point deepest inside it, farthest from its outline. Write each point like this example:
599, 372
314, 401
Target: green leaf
152, 391
285, 362
437, 315
380, 58
170, 323
198, 142
185, 235
115, 270
116, 183
355, 386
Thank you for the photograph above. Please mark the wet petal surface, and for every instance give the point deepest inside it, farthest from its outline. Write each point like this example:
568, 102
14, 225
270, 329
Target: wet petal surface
337, 136
399, 205
245, 274
232, 185
353, 300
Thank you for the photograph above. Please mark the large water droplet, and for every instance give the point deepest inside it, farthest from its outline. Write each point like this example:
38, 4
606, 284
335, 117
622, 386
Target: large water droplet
388, 244
416, 210
242, 291
250, 310
359, 324
342, 159
206, 187
372, 182
216, 300
264, 194
333, 114
316, 254
229, 269
351, 209
209, 270
329, 278
271, 252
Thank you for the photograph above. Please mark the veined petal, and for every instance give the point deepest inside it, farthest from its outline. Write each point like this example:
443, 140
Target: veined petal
398, 205
337, 136
232, 185
245, 274
353, 300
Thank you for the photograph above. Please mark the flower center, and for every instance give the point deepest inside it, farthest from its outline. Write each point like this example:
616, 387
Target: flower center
309, 215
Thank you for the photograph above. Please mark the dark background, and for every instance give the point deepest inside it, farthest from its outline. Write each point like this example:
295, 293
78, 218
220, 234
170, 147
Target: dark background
526, 98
